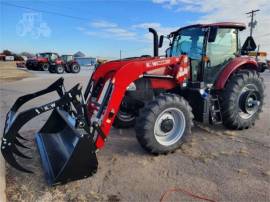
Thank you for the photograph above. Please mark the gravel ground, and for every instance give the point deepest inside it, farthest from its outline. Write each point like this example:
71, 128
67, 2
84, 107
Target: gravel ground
220, 164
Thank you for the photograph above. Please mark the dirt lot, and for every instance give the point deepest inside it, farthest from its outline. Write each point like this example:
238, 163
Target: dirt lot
220, 164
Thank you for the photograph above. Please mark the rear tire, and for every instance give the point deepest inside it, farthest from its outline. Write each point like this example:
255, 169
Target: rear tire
124, 120
59, 69
52, 70
67, 69
164, 124
75, 68
242, 99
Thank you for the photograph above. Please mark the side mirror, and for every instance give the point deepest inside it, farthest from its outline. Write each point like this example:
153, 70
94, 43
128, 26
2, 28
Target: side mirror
160, 41
212, 34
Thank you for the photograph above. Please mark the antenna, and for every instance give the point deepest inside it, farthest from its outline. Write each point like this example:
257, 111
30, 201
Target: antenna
252, 23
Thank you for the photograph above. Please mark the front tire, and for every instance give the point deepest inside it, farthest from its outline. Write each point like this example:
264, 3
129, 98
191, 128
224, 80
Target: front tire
59, 69
242, 99
164, 124
52, 70
45, 67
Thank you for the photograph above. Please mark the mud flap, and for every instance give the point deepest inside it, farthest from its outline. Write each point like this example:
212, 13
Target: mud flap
67, 153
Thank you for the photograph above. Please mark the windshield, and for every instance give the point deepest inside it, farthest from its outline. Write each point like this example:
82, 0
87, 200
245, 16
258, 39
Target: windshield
44, 55
188, 41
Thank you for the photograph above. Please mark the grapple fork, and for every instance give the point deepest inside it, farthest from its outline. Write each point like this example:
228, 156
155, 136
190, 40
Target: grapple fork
64, 142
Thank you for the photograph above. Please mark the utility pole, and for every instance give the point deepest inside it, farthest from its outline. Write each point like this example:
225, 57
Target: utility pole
252, 23
120, 54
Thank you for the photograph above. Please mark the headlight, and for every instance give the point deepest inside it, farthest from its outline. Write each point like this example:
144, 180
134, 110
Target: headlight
131, 87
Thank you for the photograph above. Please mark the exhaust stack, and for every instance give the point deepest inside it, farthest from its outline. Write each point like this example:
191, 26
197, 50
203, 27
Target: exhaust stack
155, 41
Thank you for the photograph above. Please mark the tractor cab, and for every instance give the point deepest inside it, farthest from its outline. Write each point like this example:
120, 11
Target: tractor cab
210, 47
67, 58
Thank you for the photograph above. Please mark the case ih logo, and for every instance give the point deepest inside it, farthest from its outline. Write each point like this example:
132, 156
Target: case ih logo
157, 63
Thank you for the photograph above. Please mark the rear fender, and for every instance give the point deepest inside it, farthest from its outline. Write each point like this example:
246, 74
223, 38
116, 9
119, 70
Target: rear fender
237, 63
59, 62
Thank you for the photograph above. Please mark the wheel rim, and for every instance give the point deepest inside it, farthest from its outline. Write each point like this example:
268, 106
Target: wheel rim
60, 69
249, 101
75, 68
45, 67
169, 126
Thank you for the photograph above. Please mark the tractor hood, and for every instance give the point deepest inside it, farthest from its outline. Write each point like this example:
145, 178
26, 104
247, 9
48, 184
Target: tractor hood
131, 59
38, 59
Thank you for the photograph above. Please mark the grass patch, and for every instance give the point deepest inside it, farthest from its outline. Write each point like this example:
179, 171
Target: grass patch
9, 72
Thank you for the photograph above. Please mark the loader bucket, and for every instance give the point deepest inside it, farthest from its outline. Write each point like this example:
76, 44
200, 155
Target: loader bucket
66, 153
65, 143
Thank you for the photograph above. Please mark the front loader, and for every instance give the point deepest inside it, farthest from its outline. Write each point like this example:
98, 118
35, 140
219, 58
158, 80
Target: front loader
160, 96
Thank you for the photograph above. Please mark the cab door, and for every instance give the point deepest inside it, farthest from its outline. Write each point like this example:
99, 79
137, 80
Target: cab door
219, 53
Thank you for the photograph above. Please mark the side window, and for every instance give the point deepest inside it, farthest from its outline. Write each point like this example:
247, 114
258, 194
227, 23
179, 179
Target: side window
69, 58
223, 48
53, 57
220, 52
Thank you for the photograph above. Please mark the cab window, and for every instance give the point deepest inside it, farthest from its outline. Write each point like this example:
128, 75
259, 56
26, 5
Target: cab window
189, 41
220, 52
53, 57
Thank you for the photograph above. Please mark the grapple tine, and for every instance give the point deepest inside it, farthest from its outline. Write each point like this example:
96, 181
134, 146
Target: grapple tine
18, 153
20, 144
12, 161
21, 137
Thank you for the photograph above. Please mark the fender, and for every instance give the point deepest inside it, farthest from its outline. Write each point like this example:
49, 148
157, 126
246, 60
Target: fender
58, 62
237, 63
42, 60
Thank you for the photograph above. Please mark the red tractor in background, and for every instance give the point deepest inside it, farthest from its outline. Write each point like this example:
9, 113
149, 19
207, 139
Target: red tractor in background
70, 64
46, 61
205, 75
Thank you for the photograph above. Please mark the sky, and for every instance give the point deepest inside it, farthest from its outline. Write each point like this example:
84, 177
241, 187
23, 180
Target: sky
102, 28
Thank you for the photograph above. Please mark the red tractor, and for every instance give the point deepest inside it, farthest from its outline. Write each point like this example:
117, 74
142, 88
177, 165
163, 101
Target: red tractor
70, 64
40, 62
205, 76
46, 61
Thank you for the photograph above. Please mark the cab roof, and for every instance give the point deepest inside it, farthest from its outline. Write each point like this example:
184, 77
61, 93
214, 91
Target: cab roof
236, 25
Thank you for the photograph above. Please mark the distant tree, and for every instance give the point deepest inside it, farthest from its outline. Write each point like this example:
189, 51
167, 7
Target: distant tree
26, 54
7, 52
18, 57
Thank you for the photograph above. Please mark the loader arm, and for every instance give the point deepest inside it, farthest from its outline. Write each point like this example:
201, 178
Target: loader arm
120, 75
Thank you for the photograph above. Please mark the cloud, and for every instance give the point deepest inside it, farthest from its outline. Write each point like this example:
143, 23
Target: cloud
103, 24
120, 32
106, 29
228, 10
165, 30
146, 25
148, 37
80, 28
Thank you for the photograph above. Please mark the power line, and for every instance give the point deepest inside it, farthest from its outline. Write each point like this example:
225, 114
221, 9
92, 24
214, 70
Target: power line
44, 11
